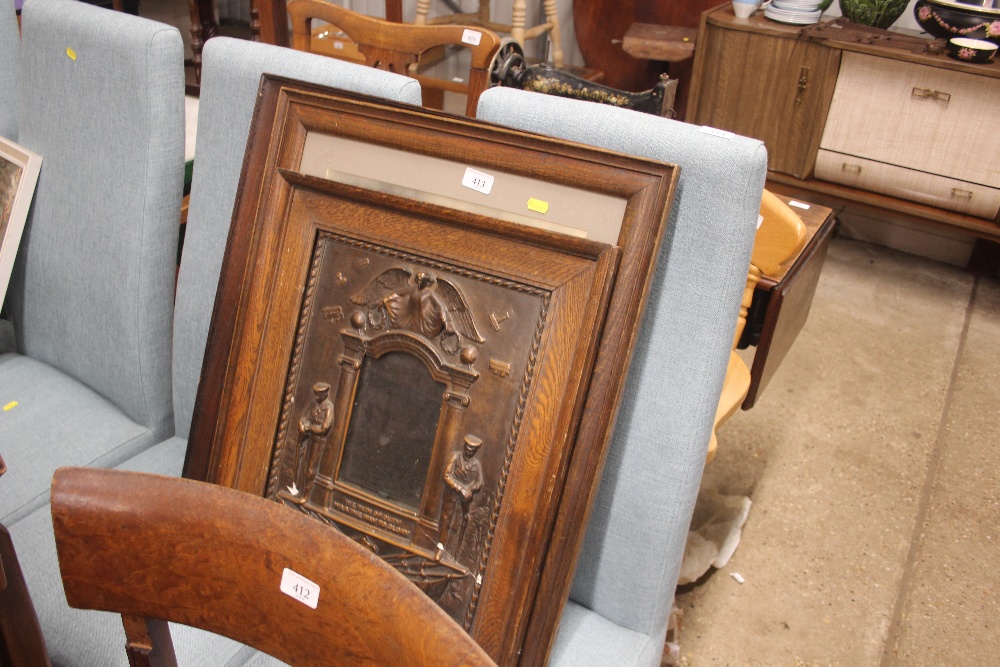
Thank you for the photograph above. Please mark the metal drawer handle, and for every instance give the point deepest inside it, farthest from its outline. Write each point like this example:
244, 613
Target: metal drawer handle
803, 84
958, 192
851, 168
927, 93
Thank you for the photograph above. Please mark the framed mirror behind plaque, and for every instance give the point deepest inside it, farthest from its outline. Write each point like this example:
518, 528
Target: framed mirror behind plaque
421, 333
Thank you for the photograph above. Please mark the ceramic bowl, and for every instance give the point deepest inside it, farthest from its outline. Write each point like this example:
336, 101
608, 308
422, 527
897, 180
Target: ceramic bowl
947, 19
971, 50
988, 4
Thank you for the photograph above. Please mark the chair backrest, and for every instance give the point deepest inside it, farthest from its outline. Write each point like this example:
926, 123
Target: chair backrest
396, 46
152, 547
631, 556
10, 45
780, 237
102, 101
231, 76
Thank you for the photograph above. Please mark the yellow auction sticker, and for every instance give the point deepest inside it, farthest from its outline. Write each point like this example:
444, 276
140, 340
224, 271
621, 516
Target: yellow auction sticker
10, 406
538, 206
71, 53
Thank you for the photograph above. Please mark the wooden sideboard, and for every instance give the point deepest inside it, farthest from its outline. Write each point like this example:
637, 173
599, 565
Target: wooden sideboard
928, 155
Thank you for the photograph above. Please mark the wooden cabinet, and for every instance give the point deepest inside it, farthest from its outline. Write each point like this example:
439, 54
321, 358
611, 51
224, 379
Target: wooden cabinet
917, 138
884, 128
765, 86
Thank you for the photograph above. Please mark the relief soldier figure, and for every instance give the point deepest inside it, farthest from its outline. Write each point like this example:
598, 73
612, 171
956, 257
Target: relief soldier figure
314, 426
463, 478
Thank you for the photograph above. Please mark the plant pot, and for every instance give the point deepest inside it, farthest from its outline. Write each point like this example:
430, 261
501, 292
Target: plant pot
875, 13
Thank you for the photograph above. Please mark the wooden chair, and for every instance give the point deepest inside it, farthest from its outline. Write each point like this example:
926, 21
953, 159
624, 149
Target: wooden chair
396, 46
516, 28
780, 237
158, 549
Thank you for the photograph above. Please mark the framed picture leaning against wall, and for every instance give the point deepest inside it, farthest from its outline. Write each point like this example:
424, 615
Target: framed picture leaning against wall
19, 169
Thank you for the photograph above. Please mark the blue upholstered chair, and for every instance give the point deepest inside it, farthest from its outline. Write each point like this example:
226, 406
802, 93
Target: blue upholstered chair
626, 575
10, 43
91, 295
231, 75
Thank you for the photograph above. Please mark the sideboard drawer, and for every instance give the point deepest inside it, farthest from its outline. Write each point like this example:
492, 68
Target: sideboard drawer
924, 118
918, 186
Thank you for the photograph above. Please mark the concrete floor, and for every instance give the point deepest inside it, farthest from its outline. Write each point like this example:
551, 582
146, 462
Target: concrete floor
871, 460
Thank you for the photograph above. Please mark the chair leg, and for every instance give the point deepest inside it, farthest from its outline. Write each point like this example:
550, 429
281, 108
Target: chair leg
21, 641
147, 642
423, 8
517, 15
552, 18
734, 390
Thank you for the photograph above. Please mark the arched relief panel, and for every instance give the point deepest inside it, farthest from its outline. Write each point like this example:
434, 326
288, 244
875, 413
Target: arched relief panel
429, 366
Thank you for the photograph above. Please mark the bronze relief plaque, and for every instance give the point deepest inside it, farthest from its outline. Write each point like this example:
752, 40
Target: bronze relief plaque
416, 358
393, 430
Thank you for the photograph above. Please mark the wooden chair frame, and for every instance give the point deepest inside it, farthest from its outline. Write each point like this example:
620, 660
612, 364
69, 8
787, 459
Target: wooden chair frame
158, 549
395, 47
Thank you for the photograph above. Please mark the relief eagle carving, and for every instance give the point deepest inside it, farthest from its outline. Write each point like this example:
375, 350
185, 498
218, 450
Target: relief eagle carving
419, 302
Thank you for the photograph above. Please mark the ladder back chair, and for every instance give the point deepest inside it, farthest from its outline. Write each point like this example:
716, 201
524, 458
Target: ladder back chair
396, 47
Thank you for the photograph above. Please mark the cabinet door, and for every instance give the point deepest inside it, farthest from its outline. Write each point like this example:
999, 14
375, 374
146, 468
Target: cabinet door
768, 87
928, 119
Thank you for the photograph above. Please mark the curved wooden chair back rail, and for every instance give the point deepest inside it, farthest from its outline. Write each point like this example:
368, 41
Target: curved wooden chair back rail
779, 239
395, 46
158, 549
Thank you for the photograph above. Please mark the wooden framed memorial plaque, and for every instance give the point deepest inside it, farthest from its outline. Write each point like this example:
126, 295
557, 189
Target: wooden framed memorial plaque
421, 333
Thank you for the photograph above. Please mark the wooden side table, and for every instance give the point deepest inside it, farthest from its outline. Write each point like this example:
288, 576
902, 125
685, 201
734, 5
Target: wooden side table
781, 302
21, 642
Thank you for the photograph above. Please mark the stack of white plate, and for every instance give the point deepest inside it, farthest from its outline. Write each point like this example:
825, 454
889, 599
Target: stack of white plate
795, 12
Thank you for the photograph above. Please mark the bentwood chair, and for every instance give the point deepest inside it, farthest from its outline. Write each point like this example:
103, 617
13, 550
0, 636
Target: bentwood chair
158, 549
397, 46
780, 237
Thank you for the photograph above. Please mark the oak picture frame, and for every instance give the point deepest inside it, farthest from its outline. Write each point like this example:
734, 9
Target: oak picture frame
496, 344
